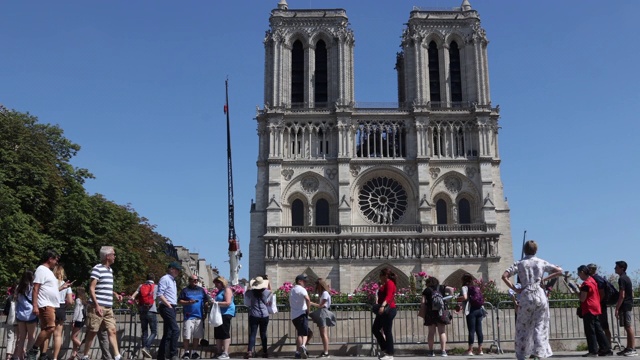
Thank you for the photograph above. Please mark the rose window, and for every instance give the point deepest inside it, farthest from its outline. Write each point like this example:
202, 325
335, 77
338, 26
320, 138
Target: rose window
382, 200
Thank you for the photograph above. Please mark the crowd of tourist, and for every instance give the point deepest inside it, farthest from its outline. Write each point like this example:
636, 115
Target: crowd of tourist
39, 300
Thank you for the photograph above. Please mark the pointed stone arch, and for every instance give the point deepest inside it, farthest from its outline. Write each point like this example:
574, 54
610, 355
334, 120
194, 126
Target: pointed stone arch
402, 280
312, 277
324, 188
455, 279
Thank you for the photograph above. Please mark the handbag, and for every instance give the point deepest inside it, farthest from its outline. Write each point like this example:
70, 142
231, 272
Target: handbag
272, 304
422, 311
215, 317
446, 317
376, 309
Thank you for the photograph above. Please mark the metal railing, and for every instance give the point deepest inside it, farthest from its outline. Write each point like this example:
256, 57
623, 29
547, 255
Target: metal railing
354, 329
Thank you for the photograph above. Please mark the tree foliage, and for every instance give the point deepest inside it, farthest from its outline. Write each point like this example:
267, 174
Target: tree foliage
43, 205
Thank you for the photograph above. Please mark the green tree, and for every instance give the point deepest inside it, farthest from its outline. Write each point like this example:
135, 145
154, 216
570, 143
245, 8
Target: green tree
43, 205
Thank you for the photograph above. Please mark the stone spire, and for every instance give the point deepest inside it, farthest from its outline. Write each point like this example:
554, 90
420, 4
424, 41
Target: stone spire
282, 5
466, 6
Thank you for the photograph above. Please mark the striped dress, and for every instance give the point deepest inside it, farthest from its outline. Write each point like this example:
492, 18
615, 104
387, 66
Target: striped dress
104, 285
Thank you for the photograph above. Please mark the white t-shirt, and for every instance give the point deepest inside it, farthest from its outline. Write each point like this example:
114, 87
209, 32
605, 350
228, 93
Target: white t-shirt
48, 293
62, 297
325, 295
297, 301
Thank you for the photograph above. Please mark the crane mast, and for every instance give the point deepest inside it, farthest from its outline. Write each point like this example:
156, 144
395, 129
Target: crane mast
234, 248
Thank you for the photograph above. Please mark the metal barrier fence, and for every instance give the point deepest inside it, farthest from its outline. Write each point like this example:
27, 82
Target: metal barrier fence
352, 335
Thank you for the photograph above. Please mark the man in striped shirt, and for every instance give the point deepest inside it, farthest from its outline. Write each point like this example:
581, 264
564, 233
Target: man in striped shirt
99, 310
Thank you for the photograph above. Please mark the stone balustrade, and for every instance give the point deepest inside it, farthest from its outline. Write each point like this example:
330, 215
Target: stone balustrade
462, 247
375, 229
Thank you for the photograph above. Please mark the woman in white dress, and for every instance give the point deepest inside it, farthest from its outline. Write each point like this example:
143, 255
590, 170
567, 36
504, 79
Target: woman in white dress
532, 324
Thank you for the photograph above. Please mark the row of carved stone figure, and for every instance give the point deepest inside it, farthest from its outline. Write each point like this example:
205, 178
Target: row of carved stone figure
295, 249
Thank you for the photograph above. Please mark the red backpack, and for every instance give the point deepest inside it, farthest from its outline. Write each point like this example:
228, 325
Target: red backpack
145, 297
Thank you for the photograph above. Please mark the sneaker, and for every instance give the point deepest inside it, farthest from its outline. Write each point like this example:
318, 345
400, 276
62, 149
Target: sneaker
86, 357
118, 357
631, 352
195, 355
223, 356
444, 353
304, 354
619, 353
248, 355
467, 353
145, 352
324, 355
186, 355
431, 353
32, 354
381, 354
605, 353
297, 356
387, 357
590, 355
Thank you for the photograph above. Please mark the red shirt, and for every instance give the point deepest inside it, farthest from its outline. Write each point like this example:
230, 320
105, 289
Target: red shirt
591, 305
387, 292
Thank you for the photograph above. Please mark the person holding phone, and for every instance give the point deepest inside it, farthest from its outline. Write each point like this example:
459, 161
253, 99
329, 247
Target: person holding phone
193, 299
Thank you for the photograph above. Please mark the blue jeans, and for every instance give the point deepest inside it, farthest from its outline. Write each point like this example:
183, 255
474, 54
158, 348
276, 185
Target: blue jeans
474, 324
170, 333
149, 321
384, 324
254, 322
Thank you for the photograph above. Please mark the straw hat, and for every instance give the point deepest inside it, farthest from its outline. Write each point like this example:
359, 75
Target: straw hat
258, 283
221, 280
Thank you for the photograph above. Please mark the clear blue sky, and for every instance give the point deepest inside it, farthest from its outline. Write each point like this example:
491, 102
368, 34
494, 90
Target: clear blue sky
140, 86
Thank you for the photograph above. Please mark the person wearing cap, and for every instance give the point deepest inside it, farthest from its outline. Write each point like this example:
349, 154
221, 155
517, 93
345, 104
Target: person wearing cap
222, 333
168, 301
597, 342
256, 299
193, 299
99, 310
299, 303
602, 287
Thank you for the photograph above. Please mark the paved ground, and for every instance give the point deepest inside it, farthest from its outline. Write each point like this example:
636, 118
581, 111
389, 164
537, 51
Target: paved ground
564, 355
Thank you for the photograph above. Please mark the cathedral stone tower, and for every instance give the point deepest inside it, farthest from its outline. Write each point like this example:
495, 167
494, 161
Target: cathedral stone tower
345, 189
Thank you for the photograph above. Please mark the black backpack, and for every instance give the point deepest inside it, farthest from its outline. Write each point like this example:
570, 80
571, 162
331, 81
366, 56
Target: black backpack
7, 306
611, 294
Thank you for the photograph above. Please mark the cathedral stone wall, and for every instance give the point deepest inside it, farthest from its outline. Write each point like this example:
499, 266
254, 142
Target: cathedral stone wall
345, 189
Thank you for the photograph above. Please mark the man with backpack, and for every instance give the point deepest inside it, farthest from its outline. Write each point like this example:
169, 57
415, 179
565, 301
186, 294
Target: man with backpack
606, 296
194, 300
474, 311
145, 297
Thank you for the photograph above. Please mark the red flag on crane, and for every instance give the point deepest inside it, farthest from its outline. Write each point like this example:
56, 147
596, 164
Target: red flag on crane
226, 108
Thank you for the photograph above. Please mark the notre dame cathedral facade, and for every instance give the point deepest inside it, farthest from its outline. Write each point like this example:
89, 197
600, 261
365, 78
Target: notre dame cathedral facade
345, 189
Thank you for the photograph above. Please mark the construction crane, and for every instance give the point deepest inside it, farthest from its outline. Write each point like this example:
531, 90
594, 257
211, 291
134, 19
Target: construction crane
234, 247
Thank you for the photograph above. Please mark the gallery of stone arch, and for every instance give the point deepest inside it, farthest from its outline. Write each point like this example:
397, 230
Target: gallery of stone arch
346, 187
